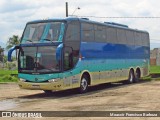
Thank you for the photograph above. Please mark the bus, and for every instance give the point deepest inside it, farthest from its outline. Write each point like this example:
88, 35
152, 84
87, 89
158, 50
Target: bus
61, 54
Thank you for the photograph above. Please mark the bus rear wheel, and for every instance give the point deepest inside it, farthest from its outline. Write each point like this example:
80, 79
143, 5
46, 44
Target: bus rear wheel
84, 84
131, 77
137, 75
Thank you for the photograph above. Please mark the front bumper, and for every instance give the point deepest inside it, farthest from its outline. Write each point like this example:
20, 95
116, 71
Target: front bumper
41, 86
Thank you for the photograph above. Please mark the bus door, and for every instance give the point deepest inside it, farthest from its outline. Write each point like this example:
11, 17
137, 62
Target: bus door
67, 66
71, 51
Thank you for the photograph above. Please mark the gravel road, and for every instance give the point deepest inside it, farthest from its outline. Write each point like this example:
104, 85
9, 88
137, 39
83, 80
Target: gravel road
143, 96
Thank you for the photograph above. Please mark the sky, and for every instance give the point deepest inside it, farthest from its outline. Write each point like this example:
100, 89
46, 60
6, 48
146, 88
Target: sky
14, 14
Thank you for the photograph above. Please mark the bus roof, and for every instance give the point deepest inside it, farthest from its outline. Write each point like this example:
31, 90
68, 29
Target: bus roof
110, 24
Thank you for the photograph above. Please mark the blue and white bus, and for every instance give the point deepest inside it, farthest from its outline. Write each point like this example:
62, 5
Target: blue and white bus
60, 54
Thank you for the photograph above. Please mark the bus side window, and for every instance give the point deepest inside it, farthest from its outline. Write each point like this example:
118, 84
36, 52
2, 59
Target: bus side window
145, 39
87, 32
73, 32
112, 35
138, 40
121, 36
130, 37
100, 33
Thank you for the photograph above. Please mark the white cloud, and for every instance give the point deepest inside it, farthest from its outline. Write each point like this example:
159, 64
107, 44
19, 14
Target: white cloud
15, 13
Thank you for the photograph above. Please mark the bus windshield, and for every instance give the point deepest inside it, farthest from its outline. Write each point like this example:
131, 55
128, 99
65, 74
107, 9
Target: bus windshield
43, 32
40, 59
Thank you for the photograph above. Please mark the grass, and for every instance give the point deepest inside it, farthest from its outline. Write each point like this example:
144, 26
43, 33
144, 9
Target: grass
154, 69
8, 78
148, 78
8, 72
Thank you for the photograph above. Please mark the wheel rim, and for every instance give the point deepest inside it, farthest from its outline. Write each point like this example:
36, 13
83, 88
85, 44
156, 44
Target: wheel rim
84, 84
131, 77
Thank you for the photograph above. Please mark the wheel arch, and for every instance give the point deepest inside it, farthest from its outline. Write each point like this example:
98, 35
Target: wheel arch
131, 69
138, 69
88, 75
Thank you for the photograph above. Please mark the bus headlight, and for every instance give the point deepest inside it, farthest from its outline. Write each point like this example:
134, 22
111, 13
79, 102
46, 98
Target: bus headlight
22, 80
52, 80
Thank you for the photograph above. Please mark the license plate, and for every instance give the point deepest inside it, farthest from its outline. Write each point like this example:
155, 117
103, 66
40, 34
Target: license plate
36, 86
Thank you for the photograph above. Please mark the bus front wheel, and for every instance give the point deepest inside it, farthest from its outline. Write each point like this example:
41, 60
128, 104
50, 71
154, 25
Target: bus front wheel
84, 84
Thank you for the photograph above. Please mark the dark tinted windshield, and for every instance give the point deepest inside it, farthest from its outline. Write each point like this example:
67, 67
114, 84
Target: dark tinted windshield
41, 59
42, 32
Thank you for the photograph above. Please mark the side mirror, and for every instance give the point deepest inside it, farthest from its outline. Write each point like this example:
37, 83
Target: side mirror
10, 52
59, 52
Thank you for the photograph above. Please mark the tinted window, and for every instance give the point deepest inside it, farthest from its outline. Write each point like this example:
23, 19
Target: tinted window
112, 35
121, 35
73, 32
100, 33
138, 40
145, 39
87, 32
130, 37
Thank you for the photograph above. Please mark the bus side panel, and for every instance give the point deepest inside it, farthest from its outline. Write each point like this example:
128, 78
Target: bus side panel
112, 62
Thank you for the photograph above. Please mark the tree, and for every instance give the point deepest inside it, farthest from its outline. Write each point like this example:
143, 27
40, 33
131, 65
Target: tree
1, 54
1, 50
14, 40
5, 59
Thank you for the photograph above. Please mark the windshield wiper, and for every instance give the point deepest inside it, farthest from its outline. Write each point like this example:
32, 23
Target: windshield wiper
28, 40
47, 40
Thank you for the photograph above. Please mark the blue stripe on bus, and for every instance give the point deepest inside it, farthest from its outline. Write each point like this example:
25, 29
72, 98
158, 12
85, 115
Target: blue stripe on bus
113, 51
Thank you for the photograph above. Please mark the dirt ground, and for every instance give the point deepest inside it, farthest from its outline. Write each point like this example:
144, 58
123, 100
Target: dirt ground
143, 96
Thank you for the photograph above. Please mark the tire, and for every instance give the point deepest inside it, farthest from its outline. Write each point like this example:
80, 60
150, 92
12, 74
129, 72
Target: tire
131, 77
84, 84
137, 76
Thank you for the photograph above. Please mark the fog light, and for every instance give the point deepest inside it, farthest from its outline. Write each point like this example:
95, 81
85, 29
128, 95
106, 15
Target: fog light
22, 80
52, 80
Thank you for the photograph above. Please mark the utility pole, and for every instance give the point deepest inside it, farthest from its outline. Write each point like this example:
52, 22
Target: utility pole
66, 9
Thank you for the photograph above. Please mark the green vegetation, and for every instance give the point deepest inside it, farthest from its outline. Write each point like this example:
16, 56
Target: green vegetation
14, 40
8, 72
148, 78
8, 78
8, 75
154, 69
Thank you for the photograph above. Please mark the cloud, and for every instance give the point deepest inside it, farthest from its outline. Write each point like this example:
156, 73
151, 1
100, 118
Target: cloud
14, 14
